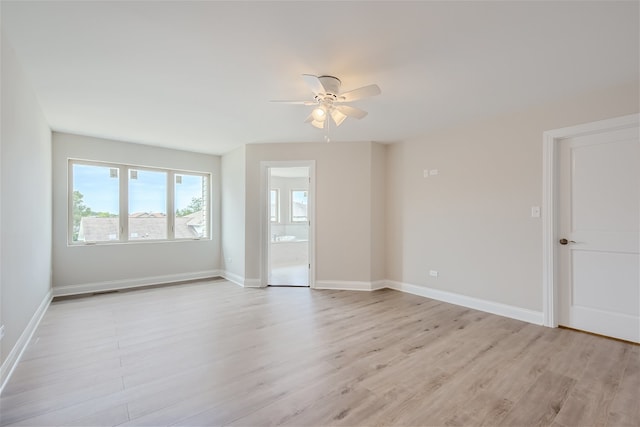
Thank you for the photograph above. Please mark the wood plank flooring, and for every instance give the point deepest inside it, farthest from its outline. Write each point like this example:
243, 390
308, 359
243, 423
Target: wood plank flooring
212, 353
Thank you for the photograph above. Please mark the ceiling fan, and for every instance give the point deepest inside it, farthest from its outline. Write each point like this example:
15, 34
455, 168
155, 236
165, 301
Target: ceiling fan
328, 100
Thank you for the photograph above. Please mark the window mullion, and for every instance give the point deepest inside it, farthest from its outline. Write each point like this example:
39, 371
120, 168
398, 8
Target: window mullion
124, 203
171, 210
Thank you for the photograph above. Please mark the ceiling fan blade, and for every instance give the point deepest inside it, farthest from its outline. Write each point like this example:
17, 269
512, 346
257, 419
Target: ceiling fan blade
350, 111
295, 102
337, 116
314, 83
363, 92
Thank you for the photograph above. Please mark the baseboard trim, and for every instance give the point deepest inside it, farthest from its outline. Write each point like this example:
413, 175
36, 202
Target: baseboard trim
523, 314
378, 284
19, 348
241, 281
114, 285
252, 283
233, 278
341, 285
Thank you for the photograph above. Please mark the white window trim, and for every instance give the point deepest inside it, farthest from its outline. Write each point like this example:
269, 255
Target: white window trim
123, 197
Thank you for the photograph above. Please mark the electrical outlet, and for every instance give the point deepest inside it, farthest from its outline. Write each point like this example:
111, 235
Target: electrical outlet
433, 273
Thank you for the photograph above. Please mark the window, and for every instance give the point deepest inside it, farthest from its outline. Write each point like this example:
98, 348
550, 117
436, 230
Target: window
299, 203
190, 201
157, 204
95, 199
274, 204
147, 204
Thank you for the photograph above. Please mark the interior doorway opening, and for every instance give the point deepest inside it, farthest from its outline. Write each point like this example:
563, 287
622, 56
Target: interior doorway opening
288, 260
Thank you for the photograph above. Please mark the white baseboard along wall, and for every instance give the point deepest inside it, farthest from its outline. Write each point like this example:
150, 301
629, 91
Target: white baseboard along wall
523, 314
18, 349
526, 315
114, 285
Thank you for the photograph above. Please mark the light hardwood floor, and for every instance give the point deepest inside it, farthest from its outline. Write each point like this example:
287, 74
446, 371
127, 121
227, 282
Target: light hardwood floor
212, 353
290, 275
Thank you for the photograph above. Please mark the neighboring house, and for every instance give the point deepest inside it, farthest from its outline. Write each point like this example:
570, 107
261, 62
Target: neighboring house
94, 229
142, 225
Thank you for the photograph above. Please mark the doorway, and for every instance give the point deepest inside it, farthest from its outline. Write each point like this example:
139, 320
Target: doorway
592, 196
287, 219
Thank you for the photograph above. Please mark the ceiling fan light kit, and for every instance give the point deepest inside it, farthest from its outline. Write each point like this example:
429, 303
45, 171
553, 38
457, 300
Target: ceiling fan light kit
328, 100
319, 113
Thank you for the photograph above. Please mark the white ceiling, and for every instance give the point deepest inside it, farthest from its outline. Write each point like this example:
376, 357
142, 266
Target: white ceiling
199, 75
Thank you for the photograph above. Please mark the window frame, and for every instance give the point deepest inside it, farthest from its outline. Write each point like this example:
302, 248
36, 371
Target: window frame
206, 204
298, 221
278, 218
123, 200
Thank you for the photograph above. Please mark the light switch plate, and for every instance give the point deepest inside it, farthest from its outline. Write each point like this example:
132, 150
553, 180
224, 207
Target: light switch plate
535, 211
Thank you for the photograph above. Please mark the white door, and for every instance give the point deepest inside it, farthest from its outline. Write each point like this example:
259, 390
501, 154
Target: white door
598, 229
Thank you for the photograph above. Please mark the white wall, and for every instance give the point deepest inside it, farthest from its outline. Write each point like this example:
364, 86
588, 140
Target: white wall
471, 222
378, 212
110, 266
233, 214
25, 213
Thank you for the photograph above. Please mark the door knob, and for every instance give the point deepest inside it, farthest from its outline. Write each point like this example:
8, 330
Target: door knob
565, 241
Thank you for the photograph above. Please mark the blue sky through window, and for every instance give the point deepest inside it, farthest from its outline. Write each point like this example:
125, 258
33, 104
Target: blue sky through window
188, 189
146, 194
100, 191
148, 191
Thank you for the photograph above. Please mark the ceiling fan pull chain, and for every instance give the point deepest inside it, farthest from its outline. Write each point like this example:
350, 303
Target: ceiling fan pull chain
326, 136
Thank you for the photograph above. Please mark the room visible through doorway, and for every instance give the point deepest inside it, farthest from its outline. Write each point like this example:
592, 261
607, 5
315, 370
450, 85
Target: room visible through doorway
288, 248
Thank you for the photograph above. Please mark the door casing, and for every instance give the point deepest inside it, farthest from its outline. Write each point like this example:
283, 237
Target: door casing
550, 280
